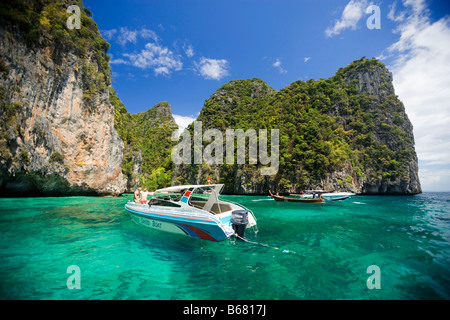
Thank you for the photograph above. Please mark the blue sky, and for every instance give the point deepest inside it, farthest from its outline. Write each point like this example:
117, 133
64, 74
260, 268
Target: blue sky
183, 51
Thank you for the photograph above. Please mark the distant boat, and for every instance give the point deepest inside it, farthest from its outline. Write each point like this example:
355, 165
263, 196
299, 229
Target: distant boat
332, 196
296, 199
195, 211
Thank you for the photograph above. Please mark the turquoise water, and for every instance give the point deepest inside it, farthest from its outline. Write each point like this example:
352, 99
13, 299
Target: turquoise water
330, 247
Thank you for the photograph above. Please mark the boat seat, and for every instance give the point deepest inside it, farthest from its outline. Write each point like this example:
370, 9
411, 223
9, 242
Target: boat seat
214, 209
223, 207
197, 204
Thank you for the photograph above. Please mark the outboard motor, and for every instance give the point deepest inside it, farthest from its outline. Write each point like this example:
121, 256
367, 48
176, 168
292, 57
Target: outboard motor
239, 221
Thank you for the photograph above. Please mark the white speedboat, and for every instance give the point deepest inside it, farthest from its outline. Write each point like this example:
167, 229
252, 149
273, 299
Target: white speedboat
195, 211
332, 196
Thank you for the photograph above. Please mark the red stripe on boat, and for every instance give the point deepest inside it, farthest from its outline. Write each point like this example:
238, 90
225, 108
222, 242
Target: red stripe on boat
202, 234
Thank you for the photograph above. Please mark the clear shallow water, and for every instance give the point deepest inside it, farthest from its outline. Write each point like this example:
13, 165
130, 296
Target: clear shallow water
330, 247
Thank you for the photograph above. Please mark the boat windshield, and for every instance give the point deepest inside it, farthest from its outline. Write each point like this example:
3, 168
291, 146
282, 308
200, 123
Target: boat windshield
208, 199
205, 197
200, 196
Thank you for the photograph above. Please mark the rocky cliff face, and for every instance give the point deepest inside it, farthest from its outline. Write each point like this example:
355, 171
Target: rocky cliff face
64, 131
147, 136
387, 127
346, 133
57, 134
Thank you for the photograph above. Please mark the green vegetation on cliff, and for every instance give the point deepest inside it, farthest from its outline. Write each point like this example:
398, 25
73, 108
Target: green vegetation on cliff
351, 124
40, 26
39, 54
147, 138
44, 23
348, 132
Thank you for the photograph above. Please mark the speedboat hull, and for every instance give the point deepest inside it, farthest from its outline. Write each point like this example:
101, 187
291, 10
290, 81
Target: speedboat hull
337, 196
195, 211
298, 200
333, 196
192, 225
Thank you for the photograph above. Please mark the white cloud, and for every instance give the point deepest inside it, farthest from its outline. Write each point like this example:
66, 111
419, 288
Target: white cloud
421, 73
306, 59
162, 70
188, 50
184, 46
212, 68
148, 34
109, 34
161, 59
124, 35
118, 61
392, 14
277, 64
182, 122
350, 17
434, 180
418, 6
154, 56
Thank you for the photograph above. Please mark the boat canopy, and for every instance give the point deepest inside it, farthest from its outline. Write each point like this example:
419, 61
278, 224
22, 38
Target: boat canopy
203, 196
216, 187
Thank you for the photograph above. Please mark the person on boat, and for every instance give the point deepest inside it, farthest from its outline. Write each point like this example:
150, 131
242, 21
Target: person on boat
276, 195
137, 196
144, 195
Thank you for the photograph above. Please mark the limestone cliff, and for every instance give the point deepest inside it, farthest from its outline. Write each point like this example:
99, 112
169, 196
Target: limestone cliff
147, 136
64, 131
346, 133
57, 133
386, 135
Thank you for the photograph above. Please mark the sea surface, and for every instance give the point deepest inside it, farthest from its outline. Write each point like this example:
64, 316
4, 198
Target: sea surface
302, 251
